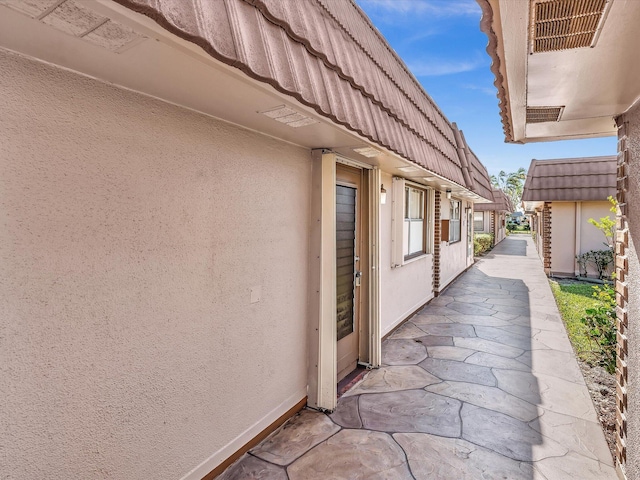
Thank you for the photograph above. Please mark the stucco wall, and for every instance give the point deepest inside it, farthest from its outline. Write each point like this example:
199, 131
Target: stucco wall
590, 237
454, 255
563, 243
633, 283
131, 234
564, 229
406, 288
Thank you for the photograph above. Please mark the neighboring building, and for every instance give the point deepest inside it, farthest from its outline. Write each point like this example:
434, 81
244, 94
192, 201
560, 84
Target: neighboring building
561, 196
492, 217
567, 69
211, 211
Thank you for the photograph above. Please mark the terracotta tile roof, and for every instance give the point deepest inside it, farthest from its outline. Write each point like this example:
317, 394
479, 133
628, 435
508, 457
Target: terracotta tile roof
327, 55
501, 203
571, 179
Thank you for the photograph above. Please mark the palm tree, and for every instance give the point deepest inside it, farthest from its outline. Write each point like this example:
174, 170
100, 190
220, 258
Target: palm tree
511, 183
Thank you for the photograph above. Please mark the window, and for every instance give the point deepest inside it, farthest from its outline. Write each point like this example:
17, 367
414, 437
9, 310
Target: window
454, 221
414, 229
478, 221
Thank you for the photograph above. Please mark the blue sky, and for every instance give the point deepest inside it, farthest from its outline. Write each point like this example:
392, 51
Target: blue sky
441, 42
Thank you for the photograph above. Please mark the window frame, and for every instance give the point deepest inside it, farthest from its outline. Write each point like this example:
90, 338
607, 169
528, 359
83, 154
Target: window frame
474, 221
455, 221
408, 186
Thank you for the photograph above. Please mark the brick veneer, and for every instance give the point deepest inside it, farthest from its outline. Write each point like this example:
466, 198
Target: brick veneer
546, 237
436, 244
622, 294
493, 229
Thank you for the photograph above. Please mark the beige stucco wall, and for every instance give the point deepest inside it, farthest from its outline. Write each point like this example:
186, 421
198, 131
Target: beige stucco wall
403, 289
633, 306
131, 233
563, 243
572, 234
453, 256
590, 237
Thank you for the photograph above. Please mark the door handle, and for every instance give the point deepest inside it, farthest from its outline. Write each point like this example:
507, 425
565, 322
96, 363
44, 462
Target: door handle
358, 277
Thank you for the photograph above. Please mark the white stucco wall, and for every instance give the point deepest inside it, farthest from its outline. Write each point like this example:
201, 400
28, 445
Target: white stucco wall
453, 256
131, 233
563, 220
403, 289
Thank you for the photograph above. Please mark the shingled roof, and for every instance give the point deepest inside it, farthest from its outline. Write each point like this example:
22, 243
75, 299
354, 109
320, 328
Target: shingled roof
571, 179
329, 56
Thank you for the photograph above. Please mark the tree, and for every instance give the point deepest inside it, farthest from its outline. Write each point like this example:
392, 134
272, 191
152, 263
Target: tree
511, 183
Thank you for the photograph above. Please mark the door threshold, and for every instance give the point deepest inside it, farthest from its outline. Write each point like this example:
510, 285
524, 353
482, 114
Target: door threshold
351, 379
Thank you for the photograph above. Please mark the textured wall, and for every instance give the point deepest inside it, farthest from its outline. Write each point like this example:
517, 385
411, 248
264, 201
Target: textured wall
590, 237
628, 284
453, 256
131, 232
403, 289
563, 237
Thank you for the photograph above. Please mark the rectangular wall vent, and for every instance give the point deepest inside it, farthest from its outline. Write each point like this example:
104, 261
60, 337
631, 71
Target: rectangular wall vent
543, 114
289, 116
565, 24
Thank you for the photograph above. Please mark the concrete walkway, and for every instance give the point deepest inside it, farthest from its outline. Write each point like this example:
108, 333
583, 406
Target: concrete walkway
481, 384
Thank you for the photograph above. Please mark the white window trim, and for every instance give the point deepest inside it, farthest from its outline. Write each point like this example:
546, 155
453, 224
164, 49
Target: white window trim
459, 220
474, 222
397, 222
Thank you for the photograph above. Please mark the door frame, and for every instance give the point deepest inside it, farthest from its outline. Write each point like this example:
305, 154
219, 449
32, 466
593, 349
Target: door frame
322, 383
352, 177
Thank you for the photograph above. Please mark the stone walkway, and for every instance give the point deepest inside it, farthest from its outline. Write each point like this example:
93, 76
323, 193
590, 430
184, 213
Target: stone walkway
481, 384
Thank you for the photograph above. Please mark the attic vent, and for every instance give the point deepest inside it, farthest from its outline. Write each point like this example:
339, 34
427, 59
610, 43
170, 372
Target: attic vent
543, 114
565, 24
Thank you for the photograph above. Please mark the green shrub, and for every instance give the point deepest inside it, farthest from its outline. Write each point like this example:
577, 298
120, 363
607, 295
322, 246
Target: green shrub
482, 242
601, 324
601, 259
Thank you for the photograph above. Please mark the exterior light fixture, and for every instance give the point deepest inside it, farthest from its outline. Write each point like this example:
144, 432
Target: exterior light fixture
383, 195
448, 194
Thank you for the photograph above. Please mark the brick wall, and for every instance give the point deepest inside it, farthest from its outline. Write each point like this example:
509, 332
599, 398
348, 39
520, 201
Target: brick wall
622, 294
436, 244
546, 237
493, 229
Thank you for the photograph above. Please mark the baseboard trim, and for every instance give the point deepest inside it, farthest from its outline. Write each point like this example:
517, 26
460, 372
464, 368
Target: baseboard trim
223, 458
406, 316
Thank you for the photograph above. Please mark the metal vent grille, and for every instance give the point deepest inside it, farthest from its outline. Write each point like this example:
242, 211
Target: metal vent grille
543, 114
565, 24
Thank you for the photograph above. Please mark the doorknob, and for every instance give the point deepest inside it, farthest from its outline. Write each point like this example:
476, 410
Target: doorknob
358, 276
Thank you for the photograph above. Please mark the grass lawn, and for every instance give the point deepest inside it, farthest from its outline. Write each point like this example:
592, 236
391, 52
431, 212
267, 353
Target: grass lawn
573, 299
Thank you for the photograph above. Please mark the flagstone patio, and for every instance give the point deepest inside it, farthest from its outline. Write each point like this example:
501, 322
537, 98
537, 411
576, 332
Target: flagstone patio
481, 384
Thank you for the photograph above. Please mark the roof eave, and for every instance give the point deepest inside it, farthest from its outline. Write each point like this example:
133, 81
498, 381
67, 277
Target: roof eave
487, 22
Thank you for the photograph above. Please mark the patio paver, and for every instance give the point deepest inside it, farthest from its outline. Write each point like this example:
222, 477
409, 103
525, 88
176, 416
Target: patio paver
481, 384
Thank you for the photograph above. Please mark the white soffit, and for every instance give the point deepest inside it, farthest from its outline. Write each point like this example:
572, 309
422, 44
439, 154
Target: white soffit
594, 84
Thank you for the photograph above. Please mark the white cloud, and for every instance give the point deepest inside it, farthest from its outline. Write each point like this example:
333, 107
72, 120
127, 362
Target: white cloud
436, 8
436, 67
